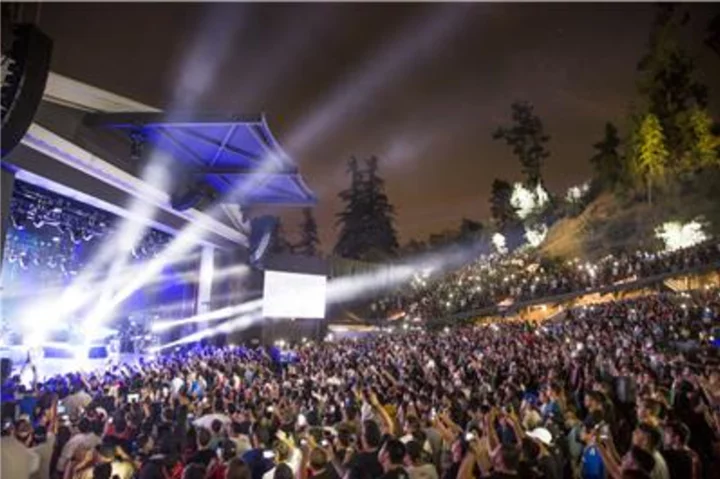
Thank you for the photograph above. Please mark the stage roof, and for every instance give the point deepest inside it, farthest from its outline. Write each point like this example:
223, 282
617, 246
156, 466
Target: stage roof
236, 155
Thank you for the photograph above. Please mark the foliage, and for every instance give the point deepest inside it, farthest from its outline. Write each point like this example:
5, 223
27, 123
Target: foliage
650, 154
668, 83
502, 212
381, 221
367, 222
607, 162
309, 240
528, 139
350, 238
470, 231
281, 244
702, 144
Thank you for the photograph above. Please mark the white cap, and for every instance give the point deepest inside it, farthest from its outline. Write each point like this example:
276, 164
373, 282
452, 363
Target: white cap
541, 434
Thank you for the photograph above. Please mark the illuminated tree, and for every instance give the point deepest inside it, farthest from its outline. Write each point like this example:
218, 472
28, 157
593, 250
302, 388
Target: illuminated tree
528, 139
309, 240
669, 82
650, 154
703, 145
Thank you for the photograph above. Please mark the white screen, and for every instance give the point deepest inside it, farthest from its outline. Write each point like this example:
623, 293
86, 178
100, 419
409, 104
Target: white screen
292, 295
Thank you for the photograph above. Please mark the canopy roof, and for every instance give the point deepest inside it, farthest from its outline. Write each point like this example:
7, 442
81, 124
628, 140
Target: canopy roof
237, 156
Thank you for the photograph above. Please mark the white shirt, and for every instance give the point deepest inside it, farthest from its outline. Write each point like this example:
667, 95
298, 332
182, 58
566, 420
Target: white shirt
177, 384
207, 420
18, 461
45, 452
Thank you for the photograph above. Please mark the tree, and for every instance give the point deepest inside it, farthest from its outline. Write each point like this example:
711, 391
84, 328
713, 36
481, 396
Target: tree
380, 221
367, 222
502, 212
350, 220
528, 139
649, 152
414, 247
309, 240
668, 82
607, 162
281, 244
703, 151
470, 230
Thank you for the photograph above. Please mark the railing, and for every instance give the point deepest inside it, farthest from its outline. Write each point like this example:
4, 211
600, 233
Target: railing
565, 297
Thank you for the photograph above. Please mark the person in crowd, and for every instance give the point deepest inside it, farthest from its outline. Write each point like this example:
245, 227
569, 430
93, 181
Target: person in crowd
78, 445
392, 458
18, 460
237, 469
417, 464
625, 388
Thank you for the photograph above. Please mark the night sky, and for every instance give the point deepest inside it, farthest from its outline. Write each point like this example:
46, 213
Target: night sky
422, 86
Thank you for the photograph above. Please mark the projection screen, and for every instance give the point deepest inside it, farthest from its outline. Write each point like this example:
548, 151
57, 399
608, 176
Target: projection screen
293, 295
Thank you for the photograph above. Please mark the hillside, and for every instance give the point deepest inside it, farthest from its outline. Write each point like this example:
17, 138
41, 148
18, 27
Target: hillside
610, 223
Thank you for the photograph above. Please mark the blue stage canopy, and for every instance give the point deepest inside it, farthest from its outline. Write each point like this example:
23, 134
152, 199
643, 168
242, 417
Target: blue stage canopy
230, 154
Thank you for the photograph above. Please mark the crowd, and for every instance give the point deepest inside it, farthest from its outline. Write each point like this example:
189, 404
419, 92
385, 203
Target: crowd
523, 276
626, 389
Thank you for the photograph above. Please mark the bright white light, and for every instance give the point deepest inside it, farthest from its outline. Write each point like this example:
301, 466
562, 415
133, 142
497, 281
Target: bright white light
535, 235
499, 242
527, 201
576, 193
287, 295
677, 236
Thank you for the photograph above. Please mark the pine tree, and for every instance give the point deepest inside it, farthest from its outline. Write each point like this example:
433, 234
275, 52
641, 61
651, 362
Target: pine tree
607, 162
650, 154
703, 144
528, 139
281, 244
502, 212
309, 240
470, 231
367, 230
352, 232
380, 222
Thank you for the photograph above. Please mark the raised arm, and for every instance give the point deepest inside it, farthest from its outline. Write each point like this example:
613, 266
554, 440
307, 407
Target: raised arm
384, 416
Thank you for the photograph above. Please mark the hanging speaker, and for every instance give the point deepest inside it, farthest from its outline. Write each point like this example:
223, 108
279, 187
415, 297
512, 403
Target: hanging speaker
25, 69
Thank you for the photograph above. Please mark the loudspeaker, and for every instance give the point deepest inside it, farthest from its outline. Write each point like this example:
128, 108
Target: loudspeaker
23, 83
